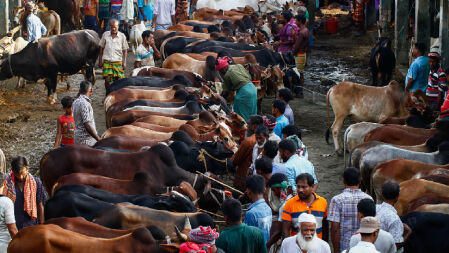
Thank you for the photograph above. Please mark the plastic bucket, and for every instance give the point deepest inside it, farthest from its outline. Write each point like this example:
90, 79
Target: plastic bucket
332, 26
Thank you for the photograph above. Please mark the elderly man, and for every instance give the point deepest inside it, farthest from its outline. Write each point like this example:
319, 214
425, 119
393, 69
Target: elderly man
26, 192
369, 230
306, 241
113, 53
85, 133
33, 25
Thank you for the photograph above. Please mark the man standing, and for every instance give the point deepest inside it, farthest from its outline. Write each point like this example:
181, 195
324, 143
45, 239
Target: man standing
239, 237
270, 151
300, 49
417, 75
295, 164
285, 95
113, 53
388, 216
85, 132
242, 159
127, 13
261, 134
259, 213
369, 230
90, 10
237, 79
278, 109
26, 192
384, 242
164, 14
306, 240
343, 210
33, 25
307, 201
437, 82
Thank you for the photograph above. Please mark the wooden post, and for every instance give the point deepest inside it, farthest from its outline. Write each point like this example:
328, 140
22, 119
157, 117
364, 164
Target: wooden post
444, 33
422, 22
4, 17
401, 44
385, 18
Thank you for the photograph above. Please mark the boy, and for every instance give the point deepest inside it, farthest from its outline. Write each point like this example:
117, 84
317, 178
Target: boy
66, 125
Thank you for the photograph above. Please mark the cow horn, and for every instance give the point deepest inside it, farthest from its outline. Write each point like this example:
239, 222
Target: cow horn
180, 235
195, 201
187, 223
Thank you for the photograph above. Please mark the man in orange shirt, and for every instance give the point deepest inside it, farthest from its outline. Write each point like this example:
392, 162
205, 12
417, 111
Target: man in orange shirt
305, 202
90, 11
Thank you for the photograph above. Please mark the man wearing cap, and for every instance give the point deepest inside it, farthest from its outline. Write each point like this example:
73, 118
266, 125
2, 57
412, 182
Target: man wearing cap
33, 25
369, 230
437, 82
306, 240
237, 79
384, 242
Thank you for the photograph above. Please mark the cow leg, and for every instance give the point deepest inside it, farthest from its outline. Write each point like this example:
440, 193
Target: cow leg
336, 129
50, 83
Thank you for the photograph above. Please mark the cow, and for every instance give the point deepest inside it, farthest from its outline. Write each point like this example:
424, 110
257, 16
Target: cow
427, 199
127, 117
400, 135
48, 56
148, 81
126, 216
184, 62
195, 78
54, 239
355, 135
125, 143
382, 62
222, 132
429, 232
136, 131
363, 103
161, 35
434, 208
50, 19
68, 10
87, 201
135, 35
125, 93
190, 108
415, 188
154, 127
374, 156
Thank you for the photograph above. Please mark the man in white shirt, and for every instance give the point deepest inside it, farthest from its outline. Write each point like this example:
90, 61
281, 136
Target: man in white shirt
8, 227
369, 230
306, 241
164, 14
384, 242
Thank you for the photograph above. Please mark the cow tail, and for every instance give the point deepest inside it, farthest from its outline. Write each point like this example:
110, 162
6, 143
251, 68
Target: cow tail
345, 138
328, 117
58, 23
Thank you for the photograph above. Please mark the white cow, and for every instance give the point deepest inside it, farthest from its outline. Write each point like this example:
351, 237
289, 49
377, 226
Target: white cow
226, 5
135, 35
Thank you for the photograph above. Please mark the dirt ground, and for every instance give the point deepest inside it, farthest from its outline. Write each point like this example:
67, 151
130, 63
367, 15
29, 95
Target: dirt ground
28, 123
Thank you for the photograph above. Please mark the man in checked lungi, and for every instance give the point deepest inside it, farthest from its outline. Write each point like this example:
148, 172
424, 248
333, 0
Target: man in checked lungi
113, 53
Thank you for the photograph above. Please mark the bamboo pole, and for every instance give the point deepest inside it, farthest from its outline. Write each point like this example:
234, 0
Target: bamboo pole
211, 213
221, 183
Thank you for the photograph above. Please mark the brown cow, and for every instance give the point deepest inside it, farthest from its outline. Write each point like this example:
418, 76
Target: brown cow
195, 78
84, 227
434, 208
136, 131
415, 188
127, 117
54, 239
363, 103
401, 170
186, 63
154, 127
125, 143
126, 93
160, 34
428, 199
162, 121
400, 135
222, 133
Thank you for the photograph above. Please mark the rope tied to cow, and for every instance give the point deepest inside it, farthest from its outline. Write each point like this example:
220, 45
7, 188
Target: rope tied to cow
202, 158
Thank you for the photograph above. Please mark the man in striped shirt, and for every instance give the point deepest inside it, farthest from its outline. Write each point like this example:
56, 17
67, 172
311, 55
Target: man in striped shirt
437, 82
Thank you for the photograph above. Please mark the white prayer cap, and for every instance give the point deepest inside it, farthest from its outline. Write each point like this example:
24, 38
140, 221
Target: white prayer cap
305, 217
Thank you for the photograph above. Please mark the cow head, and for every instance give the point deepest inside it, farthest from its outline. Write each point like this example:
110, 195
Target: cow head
225, 135
176, 202
5, 67
216, 157
144, 241
238, 126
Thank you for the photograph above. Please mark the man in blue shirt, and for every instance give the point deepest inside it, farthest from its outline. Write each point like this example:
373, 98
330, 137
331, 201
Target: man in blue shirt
418, 73
259, 213
278, 110
34, 27
270, 150
295, 164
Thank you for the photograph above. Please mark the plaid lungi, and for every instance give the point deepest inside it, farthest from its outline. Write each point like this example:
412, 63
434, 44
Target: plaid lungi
113, 69
301, 60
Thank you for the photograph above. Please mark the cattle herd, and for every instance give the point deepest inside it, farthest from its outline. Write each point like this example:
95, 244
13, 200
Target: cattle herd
169, 132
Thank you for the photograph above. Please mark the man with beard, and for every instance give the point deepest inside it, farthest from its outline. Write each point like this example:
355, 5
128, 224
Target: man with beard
262, 136
306, 240
26, 192
307, 201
